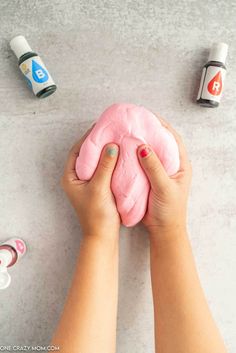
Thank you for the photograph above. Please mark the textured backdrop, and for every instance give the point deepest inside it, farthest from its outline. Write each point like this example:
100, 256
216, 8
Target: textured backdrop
101, 52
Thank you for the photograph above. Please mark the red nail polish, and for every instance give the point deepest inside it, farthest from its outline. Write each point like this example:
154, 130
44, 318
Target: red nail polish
144, 152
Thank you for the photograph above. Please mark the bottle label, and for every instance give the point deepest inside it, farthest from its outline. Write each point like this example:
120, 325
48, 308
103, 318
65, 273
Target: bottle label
211, 85
36, 74
18, 245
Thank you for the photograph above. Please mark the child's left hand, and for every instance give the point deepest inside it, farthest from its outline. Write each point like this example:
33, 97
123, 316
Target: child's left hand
93, 200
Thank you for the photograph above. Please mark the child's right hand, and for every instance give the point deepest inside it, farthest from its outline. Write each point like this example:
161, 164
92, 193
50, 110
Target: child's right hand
167, 206
93, 200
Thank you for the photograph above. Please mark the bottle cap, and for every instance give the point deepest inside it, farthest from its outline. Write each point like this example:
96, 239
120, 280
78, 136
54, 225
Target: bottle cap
218, 52
20, 46
17, 244
5, 258
5, 278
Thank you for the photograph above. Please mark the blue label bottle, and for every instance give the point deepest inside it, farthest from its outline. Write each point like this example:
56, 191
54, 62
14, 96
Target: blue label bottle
33, 68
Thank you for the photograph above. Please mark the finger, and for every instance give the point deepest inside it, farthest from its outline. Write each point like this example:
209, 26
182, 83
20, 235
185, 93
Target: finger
184, 161
152, 167
106, 165
73, 154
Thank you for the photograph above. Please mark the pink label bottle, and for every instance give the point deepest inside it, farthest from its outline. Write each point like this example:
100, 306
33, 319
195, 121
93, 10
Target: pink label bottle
10, 253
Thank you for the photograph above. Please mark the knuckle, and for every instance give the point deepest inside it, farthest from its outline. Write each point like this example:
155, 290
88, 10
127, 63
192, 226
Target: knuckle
105, 164
163, 190
153, 168
95, 188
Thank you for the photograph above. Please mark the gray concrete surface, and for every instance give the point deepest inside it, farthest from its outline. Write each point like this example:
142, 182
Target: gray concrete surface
101, 52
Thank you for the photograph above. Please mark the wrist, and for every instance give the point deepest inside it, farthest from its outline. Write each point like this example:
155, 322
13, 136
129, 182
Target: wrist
167, 234
100, 231
102, 237
170, 249
107, 246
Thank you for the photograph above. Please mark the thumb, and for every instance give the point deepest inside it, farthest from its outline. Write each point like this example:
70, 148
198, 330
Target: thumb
153, 167
106, 164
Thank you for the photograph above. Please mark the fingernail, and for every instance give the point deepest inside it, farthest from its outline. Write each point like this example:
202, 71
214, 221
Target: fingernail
112, 151
144, 152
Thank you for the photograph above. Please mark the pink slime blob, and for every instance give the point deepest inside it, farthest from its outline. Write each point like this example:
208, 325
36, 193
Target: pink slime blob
128, 126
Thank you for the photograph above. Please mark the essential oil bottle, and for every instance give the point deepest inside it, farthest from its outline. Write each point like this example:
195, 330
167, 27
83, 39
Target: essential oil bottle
11, 251
33, 68
213, 76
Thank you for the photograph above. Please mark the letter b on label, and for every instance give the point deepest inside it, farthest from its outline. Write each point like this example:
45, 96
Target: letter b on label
39, 74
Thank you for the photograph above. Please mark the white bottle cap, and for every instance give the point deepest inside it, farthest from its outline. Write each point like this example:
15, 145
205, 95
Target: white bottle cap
218, 52
5, 258
5, 278
20, 46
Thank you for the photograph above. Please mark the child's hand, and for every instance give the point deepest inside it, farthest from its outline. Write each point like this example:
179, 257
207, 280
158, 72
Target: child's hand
93, 200
168, 195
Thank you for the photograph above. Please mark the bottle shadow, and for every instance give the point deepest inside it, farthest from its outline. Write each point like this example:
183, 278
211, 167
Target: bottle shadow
198, 64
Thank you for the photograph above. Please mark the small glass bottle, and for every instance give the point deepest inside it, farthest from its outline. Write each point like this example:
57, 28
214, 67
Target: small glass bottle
33, 68
213, 75
10, 253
